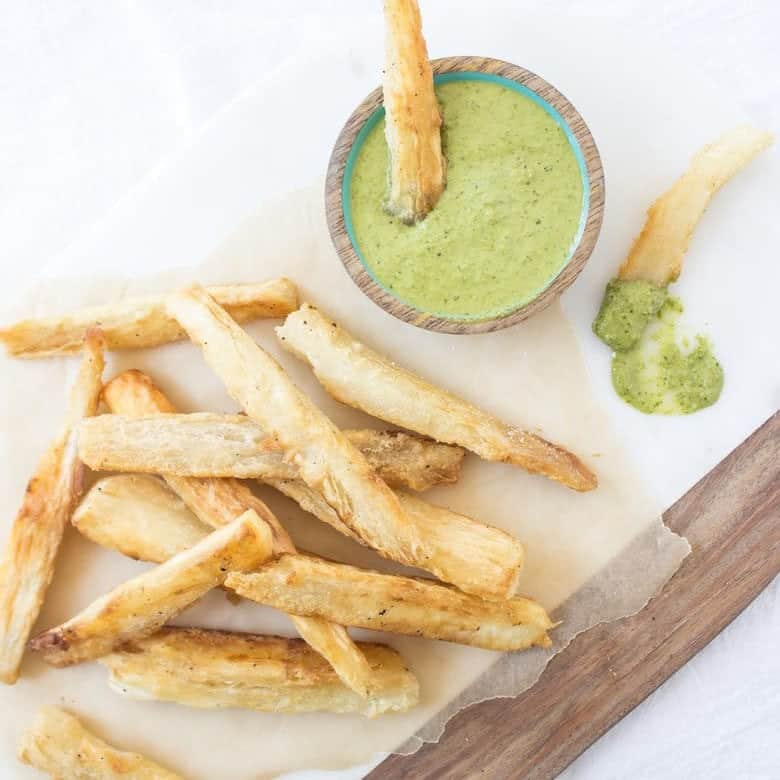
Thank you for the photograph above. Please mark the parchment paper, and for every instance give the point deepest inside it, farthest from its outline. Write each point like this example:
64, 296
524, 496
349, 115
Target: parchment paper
590, 557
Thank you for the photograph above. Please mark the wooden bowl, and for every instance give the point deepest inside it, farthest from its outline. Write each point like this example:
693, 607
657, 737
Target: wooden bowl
593, 201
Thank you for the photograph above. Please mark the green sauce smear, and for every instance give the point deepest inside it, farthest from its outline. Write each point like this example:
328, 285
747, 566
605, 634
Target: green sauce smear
506, 223
652, 368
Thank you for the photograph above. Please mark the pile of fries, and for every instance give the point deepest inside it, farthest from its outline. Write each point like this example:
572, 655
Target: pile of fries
182, 500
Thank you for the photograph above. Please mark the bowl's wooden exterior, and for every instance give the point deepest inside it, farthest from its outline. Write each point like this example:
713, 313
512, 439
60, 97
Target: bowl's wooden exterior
355, 268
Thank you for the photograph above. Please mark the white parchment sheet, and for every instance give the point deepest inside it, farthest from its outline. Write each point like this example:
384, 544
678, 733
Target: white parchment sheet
590, 557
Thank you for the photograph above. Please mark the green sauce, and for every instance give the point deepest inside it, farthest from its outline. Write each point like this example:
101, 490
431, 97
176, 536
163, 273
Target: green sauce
625, 312
504, 227
651, 369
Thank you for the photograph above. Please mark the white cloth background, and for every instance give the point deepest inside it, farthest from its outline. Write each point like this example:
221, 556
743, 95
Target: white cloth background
94, 95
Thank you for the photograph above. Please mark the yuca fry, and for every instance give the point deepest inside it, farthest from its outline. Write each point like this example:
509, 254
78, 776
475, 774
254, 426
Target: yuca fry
141, 605
218, 501
306, 585
138, 515
355, 375
417, 167
657, 254
61, 746
216, 669
141, 322
326, 459
477, 558
206, 444
28, 564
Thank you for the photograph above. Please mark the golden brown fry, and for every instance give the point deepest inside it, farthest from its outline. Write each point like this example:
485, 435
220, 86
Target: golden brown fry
140, 606
218, 501
218, 445
418, 169
657, 253
355, 375
141, 322
138, 515
61, 746
306, 585
326, 459
477, 558
216, 669
28, 564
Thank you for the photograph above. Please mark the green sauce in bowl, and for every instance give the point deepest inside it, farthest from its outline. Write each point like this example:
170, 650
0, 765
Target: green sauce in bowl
509, 219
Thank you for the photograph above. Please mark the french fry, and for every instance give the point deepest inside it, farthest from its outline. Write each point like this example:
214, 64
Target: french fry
355, 375
477, 558
326, 459
139, 516
141, 322
28, 564
61, 746
141, 605
216, 502
417, 168
657, 254
204, 444
216, 669
306, 585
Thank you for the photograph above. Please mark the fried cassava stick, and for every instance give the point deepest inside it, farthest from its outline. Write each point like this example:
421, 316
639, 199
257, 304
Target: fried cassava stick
657, 253
417, 167
216, 669
222, 445
141, 322
28, 564
61, 746
477, 558
636, 296
143, 604
367, 599
325, 458
355, 375
218, 501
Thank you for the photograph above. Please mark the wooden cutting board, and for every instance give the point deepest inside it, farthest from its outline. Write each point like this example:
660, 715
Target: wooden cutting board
732, 520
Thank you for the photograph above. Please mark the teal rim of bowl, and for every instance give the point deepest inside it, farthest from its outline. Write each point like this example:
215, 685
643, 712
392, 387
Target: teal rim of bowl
444, 78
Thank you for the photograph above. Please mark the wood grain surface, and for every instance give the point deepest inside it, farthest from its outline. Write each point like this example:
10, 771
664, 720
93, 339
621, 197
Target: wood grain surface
348, 255
732, 520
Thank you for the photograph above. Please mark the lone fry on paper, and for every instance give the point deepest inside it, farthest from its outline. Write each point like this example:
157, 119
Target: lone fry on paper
61, 746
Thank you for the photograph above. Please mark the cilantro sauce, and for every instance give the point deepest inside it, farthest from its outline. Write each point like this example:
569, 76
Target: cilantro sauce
506, 223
